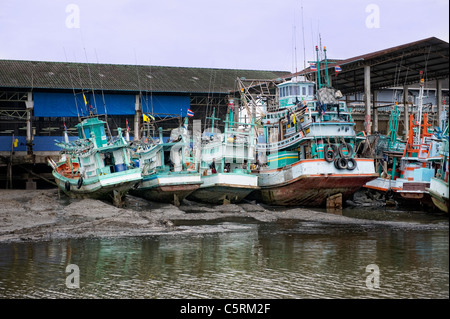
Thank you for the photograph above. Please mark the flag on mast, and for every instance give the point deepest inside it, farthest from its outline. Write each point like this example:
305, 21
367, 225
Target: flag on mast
190, 113
147, 118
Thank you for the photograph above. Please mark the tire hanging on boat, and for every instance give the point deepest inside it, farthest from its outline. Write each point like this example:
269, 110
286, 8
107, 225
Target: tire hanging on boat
330, 151
340, 163
349, 148
389, 194
351, 164
80, 182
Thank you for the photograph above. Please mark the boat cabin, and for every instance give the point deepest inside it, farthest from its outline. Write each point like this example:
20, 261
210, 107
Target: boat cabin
292, 92
93, 127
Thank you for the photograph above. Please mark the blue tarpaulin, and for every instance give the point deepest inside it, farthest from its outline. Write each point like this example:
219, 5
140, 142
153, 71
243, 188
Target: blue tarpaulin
64, 105
67, 105
177, 105
40, 143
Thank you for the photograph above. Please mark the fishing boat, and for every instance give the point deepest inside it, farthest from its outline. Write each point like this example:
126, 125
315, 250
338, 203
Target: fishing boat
439, 189
406, 175
307, 150
93, 166
168, 170
225, 161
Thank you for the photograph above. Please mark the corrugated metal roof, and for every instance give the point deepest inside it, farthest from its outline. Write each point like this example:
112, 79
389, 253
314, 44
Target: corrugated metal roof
399, 65
116, 77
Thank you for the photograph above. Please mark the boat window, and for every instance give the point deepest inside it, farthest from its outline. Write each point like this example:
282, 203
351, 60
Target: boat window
297, 90
310, 90
303, 90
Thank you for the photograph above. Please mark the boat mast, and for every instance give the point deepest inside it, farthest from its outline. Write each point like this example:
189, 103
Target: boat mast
326, 66
419, 109
318, 68
213, 118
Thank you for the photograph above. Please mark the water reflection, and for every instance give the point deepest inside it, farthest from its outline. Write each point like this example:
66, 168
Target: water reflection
284, 259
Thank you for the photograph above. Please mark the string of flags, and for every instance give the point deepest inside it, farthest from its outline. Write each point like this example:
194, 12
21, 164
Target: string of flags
313, 67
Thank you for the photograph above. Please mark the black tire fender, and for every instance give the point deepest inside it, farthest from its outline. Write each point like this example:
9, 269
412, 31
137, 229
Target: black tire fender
340, 163
80, 182
67, 186
349, 148
329, 152
351, 164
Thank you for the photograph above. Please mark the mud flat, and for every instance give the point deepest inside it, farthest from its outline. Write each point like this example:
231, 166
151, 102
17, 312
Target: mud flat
44, 215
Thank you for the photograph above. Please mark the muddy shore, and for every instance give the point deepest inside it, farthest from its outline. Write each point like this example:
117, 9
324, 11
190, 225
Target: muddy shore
41, 215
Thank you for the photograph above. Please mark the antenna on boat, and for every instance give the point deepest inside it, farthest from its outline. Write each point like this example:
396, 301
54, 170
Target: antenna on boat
303, 34
140, 92
103, 96
90, 79
295, 44
73, 89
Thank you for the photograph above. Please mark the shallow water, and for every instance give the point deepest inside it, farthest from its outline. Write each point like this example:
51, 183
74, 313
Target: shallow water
241, 258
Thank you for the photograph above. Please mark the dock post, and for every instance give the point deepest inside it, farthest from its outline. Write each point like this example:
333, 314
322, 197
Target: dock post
367, 122
439, 103
29, 107
137, 117
375, 112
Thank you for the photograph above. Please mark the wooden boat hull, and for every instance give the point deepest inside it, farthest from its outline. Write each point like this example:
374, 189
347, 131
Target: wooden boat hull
223, 188
311, 182
168, 188
312, 191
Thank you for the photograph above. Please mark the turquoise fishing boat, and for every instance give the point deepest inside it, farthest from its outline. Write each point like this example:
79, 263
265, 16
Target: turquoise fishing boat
225, 162
308, 148
439, 190
168, 170
93, 166
405, 174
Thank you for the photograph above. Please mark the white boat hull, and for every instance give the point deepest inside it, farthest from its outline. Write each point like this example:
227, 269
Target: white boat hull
225, 187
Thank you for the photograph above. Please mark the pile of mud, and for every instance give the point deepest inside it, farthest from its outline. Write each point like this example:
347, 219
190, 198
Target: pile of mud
47, 215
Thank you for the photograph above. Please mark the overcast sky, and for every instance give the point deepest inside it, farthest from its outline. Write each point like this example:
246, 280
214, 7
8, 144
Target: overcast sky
242, 34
